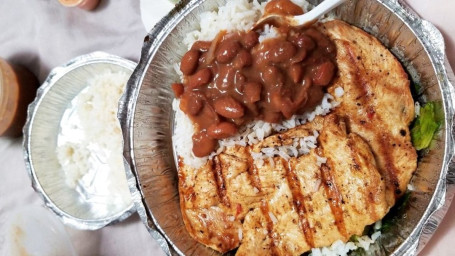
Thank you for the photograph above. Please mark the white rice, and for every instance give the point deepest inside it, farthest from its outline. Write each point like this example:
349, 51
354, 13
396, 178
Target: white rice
267, 33
300, 146
339, 92
90, 148
241, 15
235, 15
342, 249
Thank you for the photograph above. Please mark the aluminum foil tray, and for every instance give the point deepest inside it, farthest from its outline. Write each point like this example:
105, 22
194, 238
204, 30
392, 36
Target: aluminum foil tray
147, 122
47, 115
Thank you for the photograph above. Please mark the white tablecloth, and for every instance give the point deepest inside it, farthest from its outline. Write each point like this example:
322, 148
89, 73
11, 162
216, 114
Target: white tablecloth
41, 34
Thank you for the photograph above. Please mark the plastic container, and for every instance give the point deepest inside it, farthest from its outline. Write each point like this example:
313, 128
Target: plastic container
33, 230
17, 89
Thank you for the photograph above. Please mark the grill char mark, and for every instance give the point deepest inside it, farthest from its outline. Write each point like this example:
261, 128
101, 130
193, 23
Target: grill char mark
334, 197
391, 172
299, 202
217, 169
253, 172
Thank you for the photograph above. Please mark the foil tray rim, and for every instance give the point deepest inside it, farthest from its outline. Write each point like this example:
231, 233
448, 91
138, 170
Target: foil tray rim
54, 75
435, 50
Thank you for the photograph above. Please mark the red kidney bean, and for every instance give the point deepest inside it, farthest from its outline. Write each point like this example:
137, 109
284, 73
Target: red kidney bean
321, 40
295, 72
239, 82
272, 76
281, 52
239, 78
250, 40
203, 145
252, 92
323, 73
299, 57
200, 78
191, 103
275, 100
228, 107
301, 93
303, 41
287, 107
222, 130
226, 51
189, 62
177, 88
194, 105
243, 59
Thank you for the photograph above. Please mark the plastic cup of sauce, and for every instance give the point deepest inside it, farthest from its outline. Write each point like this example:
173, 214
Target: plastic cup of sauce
83, 4
17, 89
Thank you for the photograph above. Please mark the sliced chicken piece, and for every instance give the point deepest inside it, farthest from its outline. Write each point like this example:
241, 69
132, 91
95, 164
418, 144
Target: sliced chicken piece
377, 102
216, 197
287, 206
205, 208
352, 179
308, 203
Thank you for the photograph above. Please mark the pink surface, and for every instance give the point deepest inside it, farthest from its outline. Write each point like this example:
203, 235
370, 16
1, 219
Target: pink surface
43, 34
442, 14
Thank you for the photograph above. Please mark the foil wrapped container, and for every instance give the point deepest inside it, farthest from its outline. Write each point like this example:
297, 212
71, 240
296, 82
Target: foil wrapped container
48, 115
147, 121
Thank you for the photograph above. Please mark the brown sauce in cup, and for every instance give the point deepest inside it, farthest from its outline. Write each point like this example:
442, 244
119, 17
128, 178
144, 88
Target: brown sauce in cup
234, 79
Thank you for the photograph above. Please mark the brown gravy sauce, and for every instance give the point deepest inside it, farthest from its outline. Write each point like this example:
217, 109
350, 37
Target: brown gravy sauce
283, 7
234, 79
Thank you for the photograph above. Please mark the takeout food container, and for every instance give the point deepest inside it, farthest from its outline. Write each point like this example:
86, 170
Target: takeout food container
147, 121
41, 131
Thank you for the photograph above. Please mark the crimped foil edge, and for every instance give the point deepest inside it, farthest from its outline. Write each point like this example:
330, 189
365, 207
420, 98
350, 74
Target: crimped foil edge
54, 75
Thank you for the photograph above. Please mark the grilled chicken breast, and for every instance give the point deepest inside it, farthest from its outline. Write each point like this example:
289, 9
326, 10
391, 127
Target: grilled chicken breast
361, 163
285, 207
377, 102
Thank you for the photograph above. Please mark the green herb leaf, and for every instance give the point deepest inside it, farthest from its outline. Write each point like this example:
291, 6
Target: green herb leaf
426, 125
354, 238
